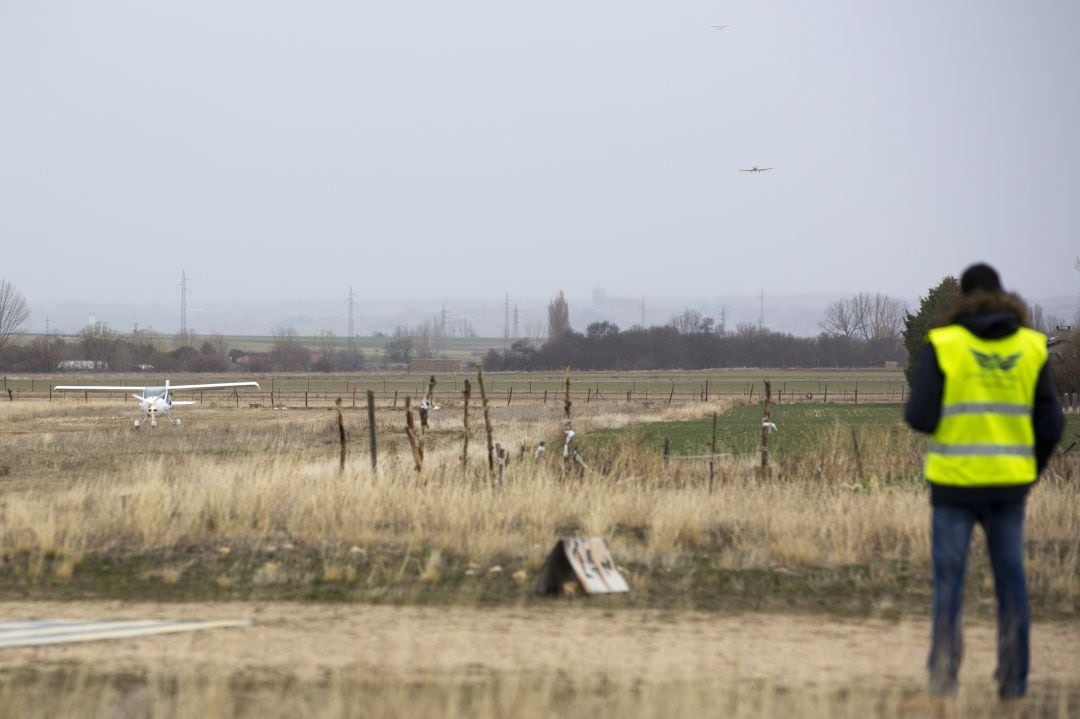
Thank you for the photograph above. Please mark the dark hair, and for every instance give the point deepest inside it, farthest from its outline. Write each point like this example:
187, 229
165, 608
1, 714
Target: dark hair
980, 276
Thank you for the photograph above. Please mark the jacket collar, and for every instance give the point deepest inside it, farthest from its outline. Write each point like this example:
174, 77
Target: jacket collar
990, 315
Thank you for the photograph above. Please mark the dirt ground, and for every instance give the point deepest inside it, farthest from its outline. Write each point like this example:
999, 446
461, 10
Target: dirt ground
305, 640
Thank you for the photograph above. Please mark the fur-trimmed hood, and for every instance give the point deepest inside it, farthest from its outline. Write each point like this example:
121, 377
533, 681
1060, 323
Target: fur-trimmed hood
991, 315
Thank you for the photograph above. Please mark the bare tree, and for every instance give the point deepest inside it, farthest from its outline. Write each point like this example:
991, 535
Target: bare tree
558, 316
839, 321
865, 316
886, 318
13, 312
423, 336
687, 321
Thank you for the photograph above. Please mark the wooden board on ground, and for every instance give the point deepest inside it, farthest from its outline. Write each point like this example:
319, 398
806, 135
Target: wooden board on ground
585, 562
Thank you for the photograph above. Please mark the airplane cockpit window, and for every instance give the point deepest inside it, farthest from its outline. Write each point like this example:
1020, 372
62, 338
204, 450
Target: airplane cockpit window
154, 392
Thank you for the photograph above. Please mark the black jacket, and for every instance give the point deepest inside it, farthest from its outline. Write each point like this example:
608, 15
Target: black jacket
990, 316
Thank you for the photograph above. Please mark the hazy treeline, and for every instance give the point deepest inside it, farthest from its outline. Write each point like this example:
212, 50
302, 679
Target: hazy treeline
103, 349
604, 347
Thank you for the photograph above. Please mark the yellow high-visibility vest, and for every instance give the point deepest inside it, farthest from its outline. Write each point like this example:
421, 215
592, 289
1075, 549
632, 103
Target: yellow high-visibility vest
985, 436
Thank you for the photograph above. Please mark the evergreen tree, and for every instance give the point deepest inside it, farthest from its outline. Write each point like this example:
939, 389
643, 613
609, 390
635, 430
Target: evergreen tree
917, 325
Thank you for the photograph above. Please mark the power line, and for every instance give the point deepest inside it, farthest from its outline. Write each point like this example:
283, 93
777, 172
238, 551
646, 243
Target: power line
351, 300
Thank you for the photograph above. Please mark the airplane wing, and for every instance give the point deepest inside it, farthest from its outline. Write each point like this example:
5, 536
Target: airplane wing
97, 388
213, 385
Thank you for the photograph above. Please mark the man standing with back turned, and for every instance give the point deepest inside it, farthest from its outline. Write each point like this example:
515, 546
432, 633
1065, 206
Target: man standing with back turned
984, 392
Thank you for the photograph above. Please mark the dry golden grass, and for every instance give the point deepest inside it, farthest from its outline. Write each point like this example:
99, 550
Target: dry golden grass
251, 479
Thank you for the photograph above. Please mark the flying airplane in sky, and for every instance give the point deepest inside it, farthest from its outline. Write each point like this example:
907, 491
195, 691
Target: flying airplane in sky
755, 168
154, 400
719, 27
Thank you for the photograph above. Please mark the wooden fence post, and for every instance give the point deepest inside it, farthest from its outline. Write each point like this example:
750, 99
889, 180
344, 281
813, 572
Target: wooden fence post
410, 431
566, 398
465, 445
371, 429
487, 422
766, 425
341, 432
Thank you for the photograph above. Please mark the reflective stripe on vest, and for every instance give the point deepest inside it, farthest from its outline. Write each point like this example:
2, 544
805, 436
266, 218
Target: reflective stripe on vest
985, 436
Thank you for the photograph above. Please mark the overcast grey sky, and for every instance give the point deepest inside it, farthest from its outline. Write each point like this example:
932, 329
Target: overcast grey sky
290, 149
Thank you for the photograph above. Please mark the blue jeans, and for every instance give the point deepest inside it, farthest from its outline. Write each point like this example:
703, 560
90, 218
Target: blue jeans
950, 536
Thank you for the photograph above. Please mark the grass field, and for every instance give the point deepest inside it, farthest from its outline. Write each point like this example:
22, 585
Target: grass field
640, 389
242, 506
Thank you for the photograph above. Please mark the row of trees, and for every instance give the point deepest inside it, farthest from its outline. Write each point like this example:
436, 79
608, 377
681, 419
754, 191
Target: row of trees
604, 346
102, 348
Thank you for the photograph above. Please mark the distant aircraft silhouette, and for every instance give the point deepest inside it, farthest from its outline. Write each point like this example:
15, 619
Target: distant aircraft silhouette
719, 27
755, 168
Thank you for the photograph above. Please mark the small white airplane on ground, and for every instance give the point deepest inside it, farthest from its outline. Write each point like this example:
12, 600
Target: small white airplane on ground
755, 168
154, 400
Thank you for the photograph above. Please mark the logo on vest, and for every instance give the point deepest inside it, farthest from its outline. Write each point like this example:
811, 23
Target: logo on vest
994, 361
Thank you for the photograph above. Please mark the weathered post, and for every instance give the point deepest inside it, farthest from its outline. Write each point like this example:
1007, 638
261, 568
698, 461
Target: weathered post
487, 422
341, 432
465, 444
671, 394
427, 404
371, 428
509, 395
566, 398
410, 431
766, 425
667, 450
